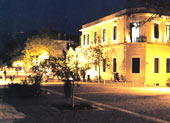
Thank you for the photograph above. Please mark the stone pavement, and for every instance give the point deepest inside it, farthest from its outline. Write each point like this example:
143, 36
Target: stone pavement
8, 113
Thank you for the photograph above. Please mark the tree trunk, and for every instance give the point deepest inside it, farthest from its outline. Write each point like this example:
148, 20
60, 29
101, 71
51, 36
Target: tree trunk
99, 79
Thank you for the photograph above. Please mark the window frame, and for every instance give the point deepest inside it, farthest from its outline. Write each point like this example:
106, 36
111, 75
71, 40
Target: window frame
104, 65
95, 38
114, 32
104, 35
156, 65
114, 65
156, 30
167, 68
139, 67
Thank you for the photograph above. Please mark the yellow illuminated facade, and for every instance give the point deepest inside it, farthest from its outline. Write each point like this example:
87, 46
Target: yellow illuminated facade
137, 49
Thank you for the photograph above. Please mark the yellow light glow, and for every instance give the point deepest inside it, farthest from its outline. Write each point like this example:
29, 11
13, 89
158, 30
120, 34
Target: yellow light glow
158, 89
153, 38
92, 73
17, 63
160, 38
165, 39
128, 38
43, 56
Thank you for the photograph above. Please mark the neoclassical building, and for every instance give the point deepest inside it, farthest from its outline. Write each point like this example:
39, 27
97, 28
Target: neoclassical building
137, 43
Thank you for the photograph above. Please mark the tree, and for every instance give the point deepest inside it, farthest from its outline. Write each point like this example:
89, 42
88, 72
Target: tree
156, 7
36, 46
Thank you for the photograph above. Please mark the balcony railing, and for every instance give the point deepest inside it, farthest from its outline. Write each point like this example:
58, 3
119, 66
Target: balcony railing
141, 39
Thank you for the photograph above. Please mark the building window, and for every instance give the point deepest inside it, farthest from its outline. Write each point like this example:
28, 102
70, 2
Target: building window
135, 65
104, 65
104, 35
156, 30
87, 39
95, 37
114, 32
168, 32
84, 39
168, 65
114, 65
156, 65
134, 32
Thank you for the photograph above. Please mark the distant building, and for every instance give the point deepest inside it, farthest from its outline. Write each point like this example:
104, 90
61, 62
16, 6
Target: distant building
138, 49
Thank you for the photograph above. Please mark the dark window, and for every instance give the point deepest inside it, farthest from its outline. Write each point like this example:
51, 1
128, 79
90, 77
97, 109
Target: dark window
168, 32
95, 37
135, 65
114, 32
84, 39
114, 65
87, 39
156, 30
156, 65
168, 65
104, 65
104, 35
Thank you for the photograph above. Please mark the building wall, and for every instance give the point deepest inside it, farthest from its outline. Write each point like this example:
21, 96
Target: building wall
135, 51
123, 50
157, 51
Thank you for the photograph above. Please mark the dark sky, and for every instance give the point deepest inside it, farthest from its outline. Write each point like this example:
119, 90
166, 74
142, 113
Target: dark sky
61, 15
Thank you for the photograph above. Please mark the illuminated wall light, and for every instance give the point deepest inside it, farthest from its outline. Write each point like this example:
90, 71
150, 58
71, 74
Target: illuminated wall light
153, 38
92, 73
160, 38
165, 39
43, 56
128, 38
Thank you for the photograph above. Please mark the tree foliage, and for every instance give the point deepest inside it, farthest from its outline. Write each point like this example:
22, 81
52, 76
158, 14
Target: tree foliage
37, 45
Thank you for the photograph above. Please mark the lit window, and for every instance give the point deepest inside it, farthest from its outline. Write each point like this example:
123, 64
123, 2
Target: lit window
134, 32
114, 32
114, 65
104, 65
168, 65
135, 65
87, 39
168, 32
104, 35
84, 39
95, 37
156, 65
156, 30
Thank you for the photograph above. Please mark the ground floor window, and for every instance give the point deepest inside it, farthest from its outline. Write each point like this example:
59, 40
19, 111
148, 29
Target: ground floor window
114, 65
168, 65
135, 65
104, 65
156, 65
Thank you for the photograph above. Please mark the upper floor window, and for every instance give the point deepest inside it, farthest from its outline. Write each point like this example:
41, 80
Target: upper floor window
104, 35
114, 32
88, 39
84, 39
134, 32
156, 30
95, 37
168, 32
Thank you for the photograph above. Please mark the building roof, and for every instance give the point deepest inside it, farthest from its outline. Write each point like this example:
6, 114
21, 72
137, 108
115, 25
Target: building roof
118, 14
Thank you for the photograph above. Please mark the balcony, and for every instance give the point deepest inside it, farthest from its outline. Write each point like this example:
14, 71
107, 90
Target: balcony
141, 39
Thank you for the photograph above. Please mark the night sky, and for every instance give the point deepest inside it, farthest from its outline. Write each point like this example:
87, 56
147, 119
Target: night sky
61, 15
